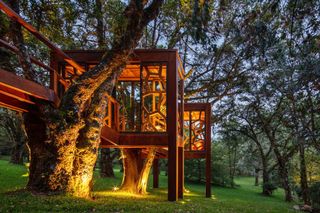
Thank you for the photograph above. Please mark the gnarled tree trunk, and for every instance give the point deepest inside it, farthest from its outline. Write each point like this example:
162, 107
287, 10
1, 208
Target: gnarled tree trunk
303, 175
136, 170
64, 141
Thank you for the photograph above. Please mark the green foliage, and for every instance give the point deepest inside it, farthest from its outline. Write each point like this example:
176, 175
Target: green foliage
243, 199
315, 195
220, 166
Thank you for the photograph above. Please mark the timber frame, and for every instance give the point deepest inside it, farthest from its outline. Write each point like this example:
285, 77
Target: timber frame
159, 120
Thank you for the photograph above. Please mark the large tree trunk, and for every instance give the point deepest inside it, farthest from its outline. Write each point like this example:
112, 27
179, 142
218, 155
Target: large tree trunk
265, 180
40, 162
283, 173
80, 183
64, 144
256, 174
136, 170
106, 163
303, 175
20, 138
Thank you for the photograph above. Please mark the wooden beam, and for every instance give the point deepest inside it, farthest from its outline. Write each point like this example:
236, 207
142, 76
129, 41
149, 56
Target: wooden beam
181, 172
22, 85
13, 104
15, 94
109, 135
195, 106
194, 154
144, 139
172, 127
187, 155
208, 150
113, 139
14, 16
109, 145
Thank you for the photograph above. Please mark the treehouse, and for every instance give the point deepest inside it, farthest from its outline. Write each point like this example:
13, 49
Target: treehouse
146, 108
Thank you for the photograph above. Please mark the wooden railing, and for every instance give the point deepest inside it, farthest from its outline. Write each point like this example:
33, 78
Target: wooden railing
112, 115
14, 16
33, 60
55, 77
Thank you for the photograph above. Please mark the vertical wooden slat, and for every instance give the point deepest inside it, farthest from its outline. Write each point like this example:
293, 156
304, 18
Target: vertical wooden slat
172, 127
118, 116
181, 149
53, 75
182, 107
155, 171
181, 172
208, 150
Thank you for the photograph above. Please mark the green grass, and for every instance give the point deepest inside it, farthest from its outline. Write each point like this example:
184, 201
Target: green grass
245, 198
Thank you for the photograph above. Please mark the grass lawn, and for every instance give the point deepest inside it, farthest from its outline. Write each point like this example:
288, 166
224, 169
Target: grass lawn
245, 198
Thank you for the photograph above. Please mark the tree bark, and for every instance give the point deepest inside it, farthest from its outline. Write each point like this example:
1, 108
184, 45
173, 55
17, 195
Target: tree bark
256, 174
283, 173
80, 183
303, 175
136, 170
64, 141
41, 161
265, 178
106, 163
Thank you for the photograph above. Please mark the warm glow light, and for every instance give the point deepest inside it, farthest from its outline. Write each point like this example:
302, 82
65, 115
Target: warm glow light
115, 188
122, 194
186, 191
158, 127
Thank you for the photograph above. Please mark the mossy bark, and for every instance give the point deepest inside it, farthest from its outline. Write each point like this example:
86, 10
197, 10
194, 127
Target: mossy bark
64, 140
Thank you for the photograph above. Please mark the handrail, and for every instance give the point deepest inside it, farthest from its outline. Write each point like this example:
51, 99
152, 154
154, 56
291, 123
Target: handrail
14, 16
33, 59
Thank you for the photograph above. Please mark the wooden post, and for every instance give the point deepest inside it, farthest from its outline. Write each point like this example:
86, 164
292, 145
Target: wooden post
53, 75
181, 172
155, 171
208, 150
172, 127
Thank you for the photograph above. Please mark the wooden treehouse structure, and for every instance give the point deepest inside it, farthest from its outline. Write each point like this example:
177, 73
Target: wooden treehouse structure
146, 109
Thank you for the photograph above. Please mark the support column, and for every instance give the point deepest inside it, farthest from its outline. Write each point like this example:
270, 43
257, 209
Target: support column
181, 172
172, 127
208, 150
155, 171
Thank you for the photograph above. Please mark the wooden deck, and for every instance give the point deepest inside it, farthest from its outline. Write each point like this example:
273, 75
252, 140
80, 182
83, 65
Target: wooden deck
20, 94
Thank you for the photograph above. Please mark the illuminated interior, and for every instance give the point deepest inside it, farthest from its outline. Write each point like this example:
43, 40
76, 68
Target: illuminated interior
141, 92
140, 98
194, 130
